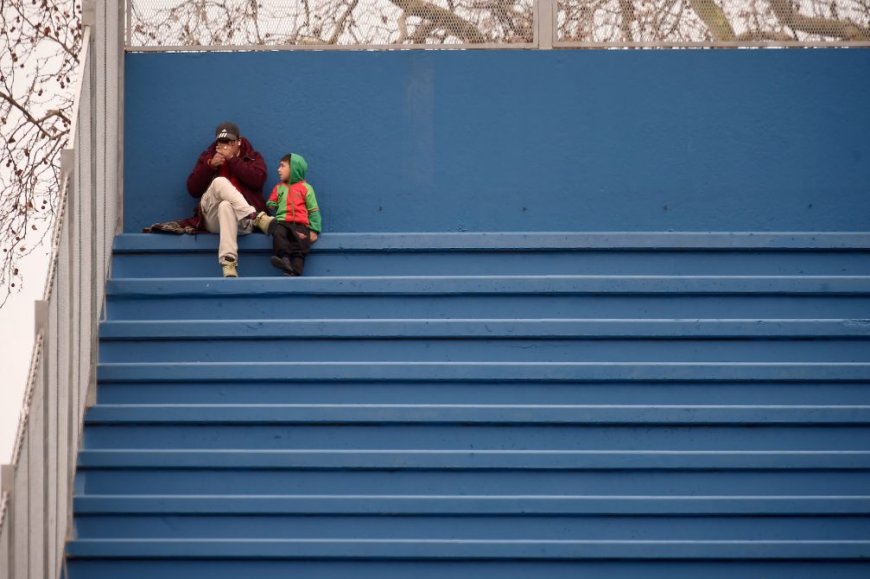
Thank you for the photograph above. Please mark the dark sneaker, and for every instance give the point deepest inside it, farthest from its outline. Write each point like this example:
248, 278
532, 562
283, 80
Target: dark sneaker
283, 263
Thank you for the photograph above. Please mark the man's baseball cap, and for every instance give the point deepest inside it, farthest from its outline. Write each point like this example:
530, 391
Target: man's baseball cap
227, 130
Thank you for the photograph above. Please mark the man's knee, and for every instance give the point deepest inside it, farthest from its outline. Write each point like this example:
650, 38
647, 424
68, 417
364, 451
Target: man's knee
223, 188
226, 208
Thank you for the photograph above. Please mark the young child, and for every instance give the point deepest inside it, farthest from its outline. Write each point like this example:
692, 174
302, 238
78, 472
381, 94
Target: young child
296, 222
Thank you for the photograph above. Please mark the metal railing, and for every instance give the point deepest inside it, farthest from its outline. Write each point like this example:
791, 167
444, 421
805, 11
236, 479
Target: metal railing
38, 483
400, 24
36, 497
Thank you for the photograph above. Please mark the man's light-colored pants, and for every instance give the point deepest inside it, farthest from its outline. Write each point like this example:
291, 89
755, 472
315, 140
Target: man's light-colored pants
224, 208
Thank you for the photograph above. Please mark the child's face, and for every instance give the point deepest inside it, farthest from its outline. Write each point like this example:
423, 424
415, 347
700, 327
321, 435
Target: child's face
284, 171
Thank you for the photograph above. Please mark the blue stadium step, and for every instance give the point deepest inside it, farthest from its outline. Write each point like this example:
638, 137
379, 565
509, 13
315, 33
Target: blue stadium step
514, 285
592, 328
204, 305
705, 479
481, 405
404, 436
454, 427
252, 391
175, 568
483, 371
469, 505
474, 414
474, 527
499, 297
467, 549
456, 340
536, 241
316, 349
509, 253
477, 460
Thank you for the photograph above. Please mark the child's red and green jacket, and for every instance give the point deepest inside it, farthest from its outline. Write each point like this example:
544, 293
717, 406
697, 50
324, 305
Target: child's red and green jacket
294, 202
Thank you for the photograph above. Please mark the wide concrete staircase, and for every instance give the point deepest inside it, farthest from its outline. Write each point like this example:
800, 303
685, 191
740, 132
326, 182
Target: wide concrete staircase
482, 406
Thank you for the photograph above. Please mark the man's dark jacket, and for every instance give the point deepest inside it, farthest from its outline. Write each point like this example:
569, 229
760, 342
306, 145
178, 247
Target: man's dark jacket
247, 171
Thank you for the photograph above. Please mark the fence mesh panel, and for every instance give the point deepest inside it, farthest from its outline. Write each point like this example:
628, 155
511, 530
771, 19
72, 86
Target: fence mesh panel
709, 22
211, 23
228, 24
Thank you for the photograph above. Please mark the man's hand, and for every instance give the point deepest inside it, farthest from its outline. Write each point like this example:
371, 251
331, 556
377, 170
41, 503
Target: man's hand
217, 161
312, 235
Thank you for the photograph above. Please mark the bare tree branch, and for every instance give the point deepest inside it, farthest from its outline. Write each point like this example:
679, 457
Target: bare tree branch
759, 36
455, 25
715, 19
340, 26
787, 15
628, 18
39, 44
24, 112
711, 21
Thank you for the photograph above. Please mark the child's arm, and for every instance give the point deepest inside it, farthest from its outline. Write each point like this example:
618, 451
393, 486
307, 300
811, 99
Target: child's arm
272, 202
314, 220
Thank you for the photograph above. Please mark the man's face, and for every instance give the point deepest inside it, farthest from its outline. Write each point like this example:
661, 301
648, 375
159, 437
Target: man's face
284, 171
227, 148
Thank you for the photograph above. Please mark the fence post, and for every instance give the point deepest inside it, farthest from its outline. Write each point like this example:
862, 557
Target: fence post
89, 13
67, 160
7, 475
545, 22
40, 319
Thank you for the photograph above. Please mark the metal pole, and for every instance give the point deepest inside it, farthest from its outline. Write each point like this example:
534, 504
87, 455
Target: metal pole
7, 474
545, 28
40, 319
128, 13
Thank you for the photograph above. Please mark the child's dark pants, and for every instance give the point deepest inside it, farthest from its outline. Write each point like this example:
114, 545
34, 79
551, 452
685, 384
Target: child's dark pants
290, 240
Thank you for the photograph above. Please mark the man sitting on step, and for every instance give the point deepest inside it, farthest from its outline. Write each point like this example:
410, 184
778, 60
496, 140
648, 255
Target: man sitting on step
228, 180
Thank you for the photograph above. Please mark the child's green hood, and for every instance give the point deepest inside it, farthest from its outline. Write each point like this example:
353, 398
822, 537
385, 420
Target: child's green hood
298, 168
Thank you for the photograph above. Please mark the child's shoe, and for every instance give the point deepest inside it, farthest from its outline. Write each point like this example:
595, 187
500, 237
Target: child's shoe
262, 221
283, 263
228, 265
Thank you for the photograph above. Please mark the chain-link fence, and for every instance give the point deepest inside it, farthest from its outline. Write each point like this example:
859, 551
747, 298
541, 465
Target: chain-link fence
322, 24
329, 23
614, 23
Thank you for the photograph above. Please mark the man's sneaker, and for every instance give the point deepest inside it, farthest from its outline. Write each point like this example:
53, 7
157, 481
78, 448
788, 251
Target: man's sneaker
228, 265
262, 221
283, 263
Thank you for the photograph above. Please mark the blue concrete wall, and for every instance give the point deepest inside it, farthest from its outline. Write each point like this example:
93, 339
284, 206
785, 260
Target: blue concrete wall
530, 140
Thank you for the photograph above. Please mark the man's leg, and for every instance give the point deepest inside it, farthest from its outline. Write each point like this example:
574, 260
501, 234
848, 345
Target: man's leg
223, 209
221, 189
221, 220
